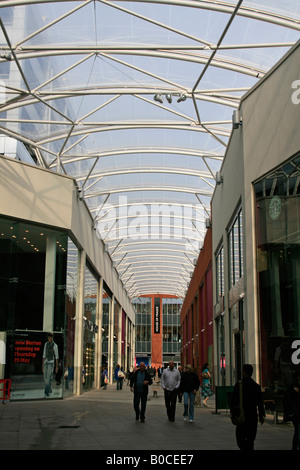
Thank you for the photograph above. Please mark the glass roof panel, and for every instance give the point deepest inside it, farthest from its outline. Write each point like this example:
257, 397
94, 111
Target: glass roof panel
134, 100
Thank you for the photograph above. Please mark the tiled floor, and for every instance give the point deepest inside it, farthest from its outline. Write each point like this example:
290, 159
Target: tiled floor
105, 420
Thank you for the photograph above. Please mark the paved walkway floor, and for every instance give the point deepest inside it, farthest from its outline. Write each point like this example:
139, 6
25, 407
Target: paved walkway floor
105, 420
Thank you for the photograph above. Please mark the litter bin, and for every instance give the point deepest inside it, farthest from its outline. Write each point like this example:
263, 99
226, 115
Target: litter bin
223, 397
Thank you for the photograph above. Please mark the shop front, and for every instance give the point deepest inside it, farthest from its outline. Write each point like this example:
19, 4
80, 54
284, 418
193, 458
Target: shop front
32, 304
51, 281
90, 328
278, 261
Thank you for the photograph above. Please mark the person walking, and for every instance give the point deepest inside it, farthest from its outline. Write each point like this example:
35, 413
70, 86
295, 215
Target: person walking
206, 384
180, 392
139, 385
292, 411
189, 385
170, 382
119, 376
253, 406
104, 378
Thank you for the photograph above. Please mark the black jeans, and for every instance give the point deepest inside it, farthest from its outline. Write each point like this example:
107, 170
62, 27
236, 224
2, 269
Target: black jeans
140, 398
170, 401
296, 438
246, 434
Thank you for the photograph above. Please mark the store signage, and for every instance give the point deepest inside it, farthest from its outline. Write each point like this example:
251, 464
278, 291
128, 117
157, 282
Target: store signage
157, 315
26, 350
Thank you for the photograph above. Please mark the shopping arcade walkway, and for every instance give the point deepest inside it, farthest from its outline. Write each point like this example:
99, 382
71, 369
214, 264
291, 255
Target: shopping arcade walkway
105, 420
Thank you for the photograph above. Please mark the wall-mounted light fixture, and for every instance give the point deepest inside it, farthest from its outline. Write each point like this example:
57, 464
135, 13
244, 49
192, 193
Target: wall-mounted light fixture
208, 222
236, 119
80, 193
219, 177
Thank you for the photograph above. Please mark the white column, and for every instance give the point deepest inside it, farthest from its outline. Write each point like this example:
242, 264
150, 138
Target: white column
132, 343
119, 359
125, 345
111, 339
78, 353
98, 343
49, 289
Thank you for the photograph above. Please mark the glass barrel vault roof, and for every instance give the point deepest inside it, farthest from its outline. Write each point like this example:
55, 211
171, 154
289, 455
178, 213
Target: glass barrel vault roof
135, 100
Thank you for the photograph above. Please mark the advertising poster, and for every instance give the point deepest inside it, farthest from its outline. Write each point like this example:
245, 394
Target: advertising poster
25, 360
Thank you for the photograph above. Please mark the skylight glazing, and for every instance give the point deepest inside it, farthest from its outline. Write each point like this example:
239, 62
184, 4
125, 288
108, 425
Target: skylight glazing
135, 100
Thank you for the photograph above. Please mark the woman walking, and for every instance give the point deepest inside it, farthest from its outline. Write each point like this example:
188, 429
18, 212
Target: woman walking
206, 384
189, 385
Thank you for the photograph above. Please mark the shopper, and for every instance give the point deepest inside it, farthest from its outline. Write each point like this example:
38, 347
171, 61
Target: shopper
180, 392
206, 384
252, 404
189, 385
170, 382
104, 378
293, 410
50, 359
139, 385
119, 376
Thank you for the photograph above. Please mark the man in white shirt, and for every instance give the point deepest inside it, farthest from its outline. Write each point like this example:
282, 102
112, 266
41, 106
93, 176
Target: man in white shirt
170, 381
50, 357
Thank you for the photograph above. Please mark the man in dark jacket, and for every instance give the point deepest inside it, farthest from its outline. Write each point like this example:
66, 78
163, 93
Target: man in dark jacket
139, 384
253, 408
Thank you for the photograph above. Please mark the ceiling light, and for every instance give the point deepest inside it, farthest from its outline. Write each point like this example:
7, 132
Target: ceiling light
158, 98
169, 98
182, 97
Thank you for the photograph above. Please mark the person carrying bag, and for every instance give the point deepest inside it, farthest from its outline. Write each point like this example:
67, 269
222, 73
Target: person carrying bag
238, 414
246, 408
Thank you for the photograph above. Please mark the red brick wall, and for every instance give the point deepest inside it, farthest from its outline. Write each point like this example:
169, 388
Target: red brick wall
195, 343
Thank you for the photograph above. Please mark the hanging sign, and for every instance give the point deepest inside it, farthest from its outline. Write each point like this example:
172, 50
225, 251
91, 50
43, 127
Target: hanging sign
157, 315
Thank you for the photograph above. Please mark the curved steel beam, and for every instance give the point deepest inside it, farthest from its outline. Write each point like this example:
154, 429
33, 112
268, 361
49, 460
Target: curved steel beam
48, 51
142, 150
138, 125
223, 7
126, 171
203, 192
114, 206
